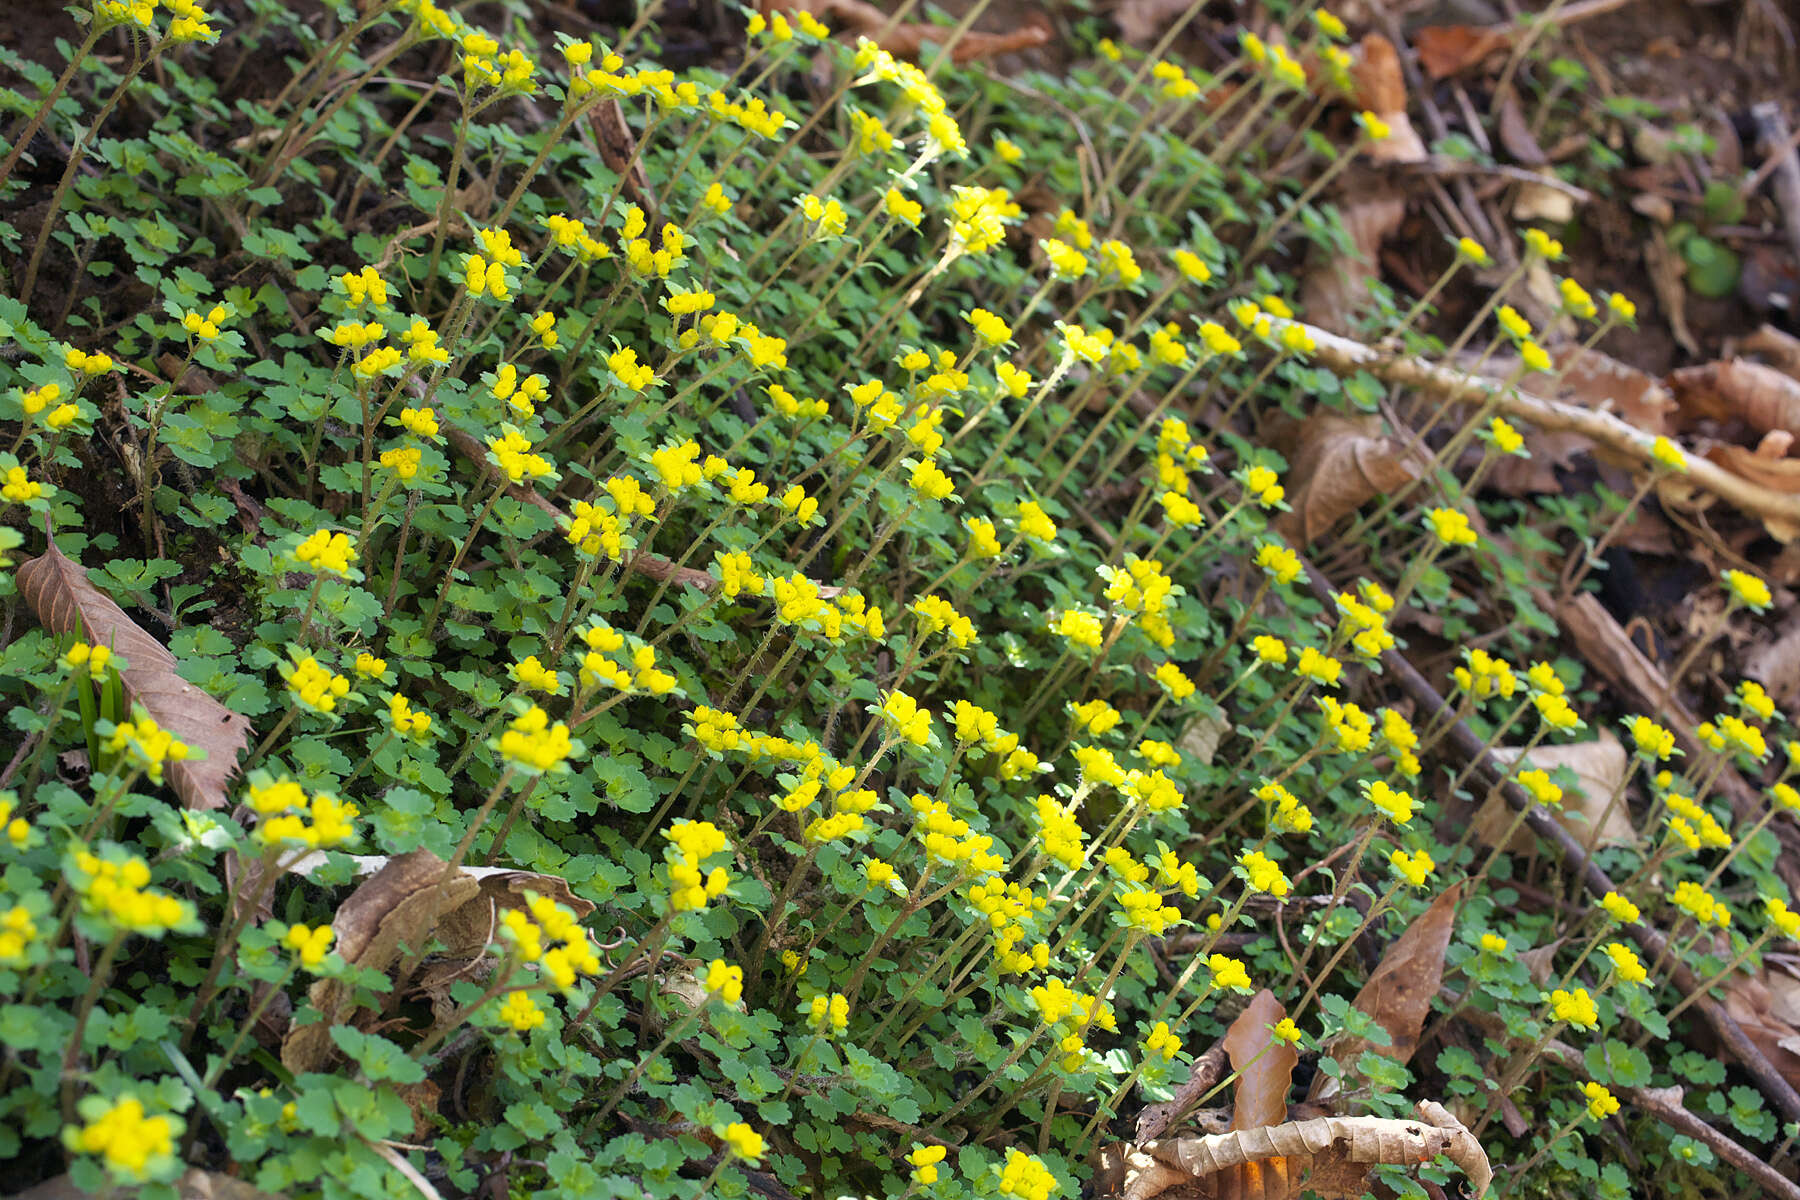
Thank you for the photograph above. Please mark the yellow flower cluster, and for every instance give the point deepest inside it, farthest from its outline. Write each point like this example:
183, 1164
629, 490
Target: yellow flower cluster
691, 844
828, 1015
536, 745
144, 744
117, 891
543, 922
319, 822
315, 685
310, 946
128, 1140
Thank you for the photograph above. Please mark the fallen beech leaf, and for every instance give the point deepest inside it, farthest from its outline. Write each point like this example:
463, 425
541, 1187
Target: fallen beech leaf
1329, 1156
1336, 289
1738, 389
1400, 990
391, 914
58, 590
1265, 1065
1446, 50
1340, 463
1600, 767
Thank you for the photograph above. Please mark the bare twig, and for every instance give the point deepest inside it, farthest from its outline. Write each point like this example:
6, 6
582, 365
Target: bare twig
1345, 357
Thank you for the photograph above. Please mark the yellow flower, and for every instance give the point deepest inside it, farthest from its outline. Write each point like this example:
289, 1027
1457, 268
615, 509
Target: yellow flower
1374, 126
741, 1140
1600, 1102
1626, 963
1619, 908
1162, 1043
133, 1145
1748, 590
534, 745
924, 1161
1493, 943
1415, 868
309, 945
1227, 972
1451, 527
1473, 252
1576, 1008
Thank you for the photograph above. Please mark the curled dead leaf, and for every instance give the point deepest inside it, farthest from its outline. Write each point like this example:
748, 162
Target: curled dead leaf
1340, 463
1600, 767
1380, 88
391, 914
58, 590
1737, 389
1399, 991
1329, 1156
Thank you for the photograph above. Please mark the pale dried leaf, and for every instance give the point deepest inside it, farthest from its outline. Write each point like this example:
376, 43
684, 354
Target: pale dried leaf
1340, 463
393, 913
58, 590
1399, 991
1600, 767
1265, 1066
1330, 1156
1738, 389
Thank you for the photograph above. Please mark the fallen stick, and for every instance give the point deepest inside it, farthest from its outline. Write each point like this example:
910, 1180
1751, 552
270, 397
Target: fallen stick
1343, 356
1466, 743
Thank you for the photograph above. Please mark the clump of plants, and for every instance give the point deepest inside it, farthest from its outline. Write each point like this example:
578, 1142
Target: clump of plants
752, 661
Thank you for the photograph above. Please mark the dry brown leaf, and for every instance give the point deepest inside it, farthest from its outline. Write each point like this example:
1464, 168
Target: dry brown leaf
393, 913
1446, 50
58, 590
1378, 86
1340, 463
1749, 1002
1603, 383
1265, 1064
1330, 1156
1399, 991
1600, 767
1738, 389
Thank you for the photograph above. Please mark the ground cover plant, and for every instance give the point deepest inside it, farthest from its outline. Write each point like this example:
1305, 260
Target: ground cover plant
817, 624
